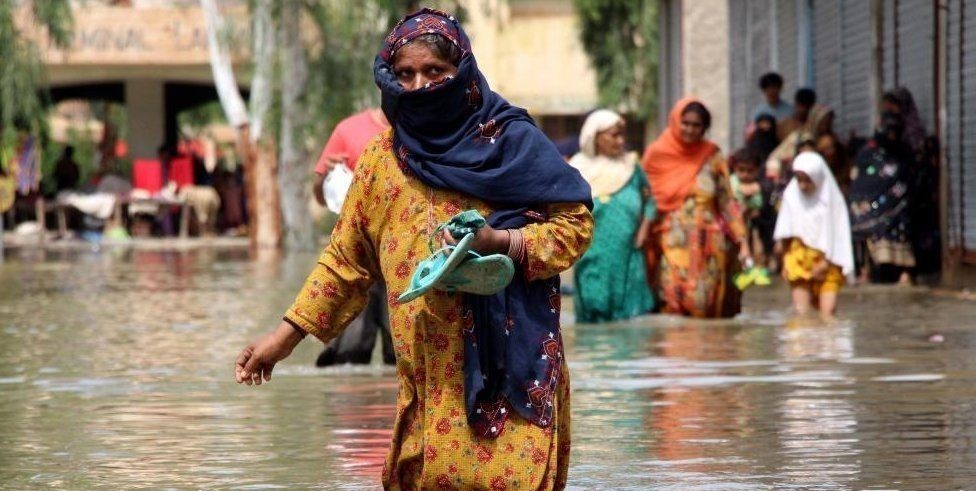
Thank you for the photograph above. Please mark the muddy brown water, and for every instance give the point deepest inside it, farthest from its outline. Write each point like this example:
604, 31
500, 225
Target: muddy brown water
115, 373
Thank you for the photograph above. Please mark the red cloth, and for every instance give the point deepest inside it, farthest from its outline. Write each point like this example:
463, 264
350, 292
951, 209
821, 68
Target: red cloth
147, 174
181, 171
671, 164
350, 138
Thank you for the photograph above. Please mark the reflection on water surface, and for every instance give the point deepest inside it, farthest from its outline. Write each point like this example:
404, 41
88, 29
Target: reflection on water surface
115, 373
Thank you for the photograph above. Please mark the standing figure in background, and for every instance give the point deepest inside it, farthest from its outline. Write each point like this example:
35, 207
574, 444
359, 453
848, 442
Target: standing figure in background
67, 172
880, 201
611, 280
926, 235
803, 102
771, 85
763, 140
346, 144
819, 122
813, 223
700, 236
829, 146
344, 147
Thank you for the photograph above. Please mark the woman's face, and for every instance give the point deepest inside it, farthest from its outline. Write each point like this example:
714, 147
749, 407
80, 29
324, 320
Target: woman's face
692, 127
610, 142
416, 66
806, 184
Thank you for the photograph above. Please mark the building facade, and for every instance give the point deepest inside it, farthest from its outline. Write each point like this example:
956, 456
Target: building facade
850, 52
152, 56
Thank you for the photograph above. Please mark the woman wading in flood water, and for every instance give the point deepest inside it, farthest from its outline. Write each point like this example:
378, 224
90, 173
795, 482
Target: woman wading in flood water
483, 400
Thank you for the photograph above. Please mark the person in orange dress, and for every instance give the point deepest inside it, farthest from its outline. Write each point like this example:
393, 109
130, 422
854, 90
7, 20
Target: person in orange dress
699, 237
483, 399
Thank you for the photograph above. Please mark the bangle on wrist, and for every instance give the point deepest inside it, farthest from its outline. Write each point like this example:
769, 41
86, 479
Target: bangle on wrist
516, 246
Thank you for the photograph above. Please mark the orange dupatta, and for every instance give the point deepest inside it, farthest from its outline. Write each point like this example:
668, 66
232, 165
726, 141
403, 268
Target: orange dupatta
673, 165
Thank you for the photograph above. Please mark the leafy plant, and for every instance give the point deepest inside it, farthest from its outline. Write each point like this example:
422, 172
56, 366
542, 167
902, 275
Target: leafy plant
22, 106
620, 38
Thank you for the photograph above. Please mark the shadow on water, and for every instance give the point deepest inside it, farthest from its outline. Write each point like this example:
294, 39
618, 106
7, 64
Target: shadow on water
115, 373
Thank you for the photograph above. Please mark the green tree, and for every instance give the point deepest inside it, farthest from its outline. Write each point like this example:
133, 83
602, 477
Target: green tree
302, 84
22, 106
620, 38
340, 61
323, 80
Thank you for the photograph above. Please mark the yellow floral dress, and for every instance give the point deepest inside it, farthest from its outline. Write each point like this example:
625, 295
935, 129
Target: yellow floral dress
382, 234
799, 262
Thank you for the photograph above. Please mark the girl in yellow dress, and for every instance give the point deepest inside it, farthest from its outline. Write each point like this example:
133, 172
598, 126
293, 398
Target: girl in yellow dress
815, 231
483, 399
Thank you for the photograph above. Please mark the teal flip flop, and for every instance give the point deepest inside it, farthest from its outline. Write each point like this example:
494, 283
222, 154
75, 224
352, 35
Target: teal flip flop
480, 275
432, 269
463, 270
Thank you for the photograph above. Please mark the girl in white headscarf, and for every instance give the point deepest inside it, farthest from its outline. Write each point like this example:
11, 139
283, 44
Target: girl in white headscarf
611, 278
815, 229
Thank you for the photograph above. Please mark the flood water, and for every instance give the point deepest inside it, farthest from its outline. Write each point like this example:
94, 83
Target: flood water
116, 373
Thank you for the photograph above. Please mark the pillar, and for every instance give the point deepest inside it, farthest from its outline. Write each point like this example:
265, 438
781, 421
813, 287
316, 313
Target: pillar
705, 53
145, 103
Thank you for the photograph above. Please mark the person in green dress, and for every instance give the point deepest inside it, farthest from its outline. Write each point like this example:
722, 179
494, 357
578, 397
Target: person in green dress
611, 279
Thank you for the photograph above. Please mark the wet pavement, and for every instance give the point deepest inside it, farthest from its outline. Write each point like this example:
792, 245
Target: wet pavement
115, 373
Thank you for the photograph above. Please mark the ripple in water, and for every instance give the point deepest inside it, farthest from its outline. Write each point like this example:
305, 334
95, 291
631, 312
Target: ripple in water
116, 374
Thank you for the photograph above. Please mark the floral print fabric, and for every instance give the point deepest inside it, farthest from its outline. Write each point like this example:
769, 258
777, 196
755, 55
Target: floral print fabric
382, 235
693, 254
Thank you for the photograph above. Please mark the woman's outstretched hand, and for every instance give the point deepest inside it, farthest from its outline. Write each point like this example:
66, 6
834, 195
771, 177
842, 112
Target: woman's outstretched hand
258, 359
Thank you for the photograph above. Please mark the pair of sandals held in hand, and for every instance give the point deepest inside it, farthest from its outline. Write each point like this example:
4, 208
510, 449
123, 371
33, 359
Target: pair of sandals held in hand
457, 268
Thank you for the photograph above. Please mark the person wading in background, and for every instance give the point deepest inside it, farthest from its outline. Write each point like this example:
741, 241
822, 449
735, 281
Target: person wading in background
344, 147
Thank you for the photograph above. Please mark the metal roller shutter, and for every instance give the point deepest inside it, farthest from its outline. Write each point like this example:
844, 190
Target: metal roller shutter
759, 42
787, 46
739, 81
916, 55
952, 146
889, 41
968, 127
960, 136
827, 51
854, 108
670, 83
910, 52
752, 54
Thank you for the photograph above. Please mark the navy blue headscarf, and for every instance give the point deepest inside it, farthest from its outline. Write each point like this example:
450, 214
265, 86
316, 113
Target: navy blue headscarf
461, 136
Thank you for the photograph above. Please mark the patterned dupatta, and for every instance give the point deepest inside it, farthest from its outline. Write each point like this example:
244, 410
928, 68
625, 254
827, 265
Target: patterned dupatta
461, 136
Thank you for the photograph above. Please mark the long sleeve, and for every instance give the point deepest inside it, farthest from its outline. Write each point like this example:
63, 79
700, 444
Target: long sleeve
554, 245
336, 289
727, 205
